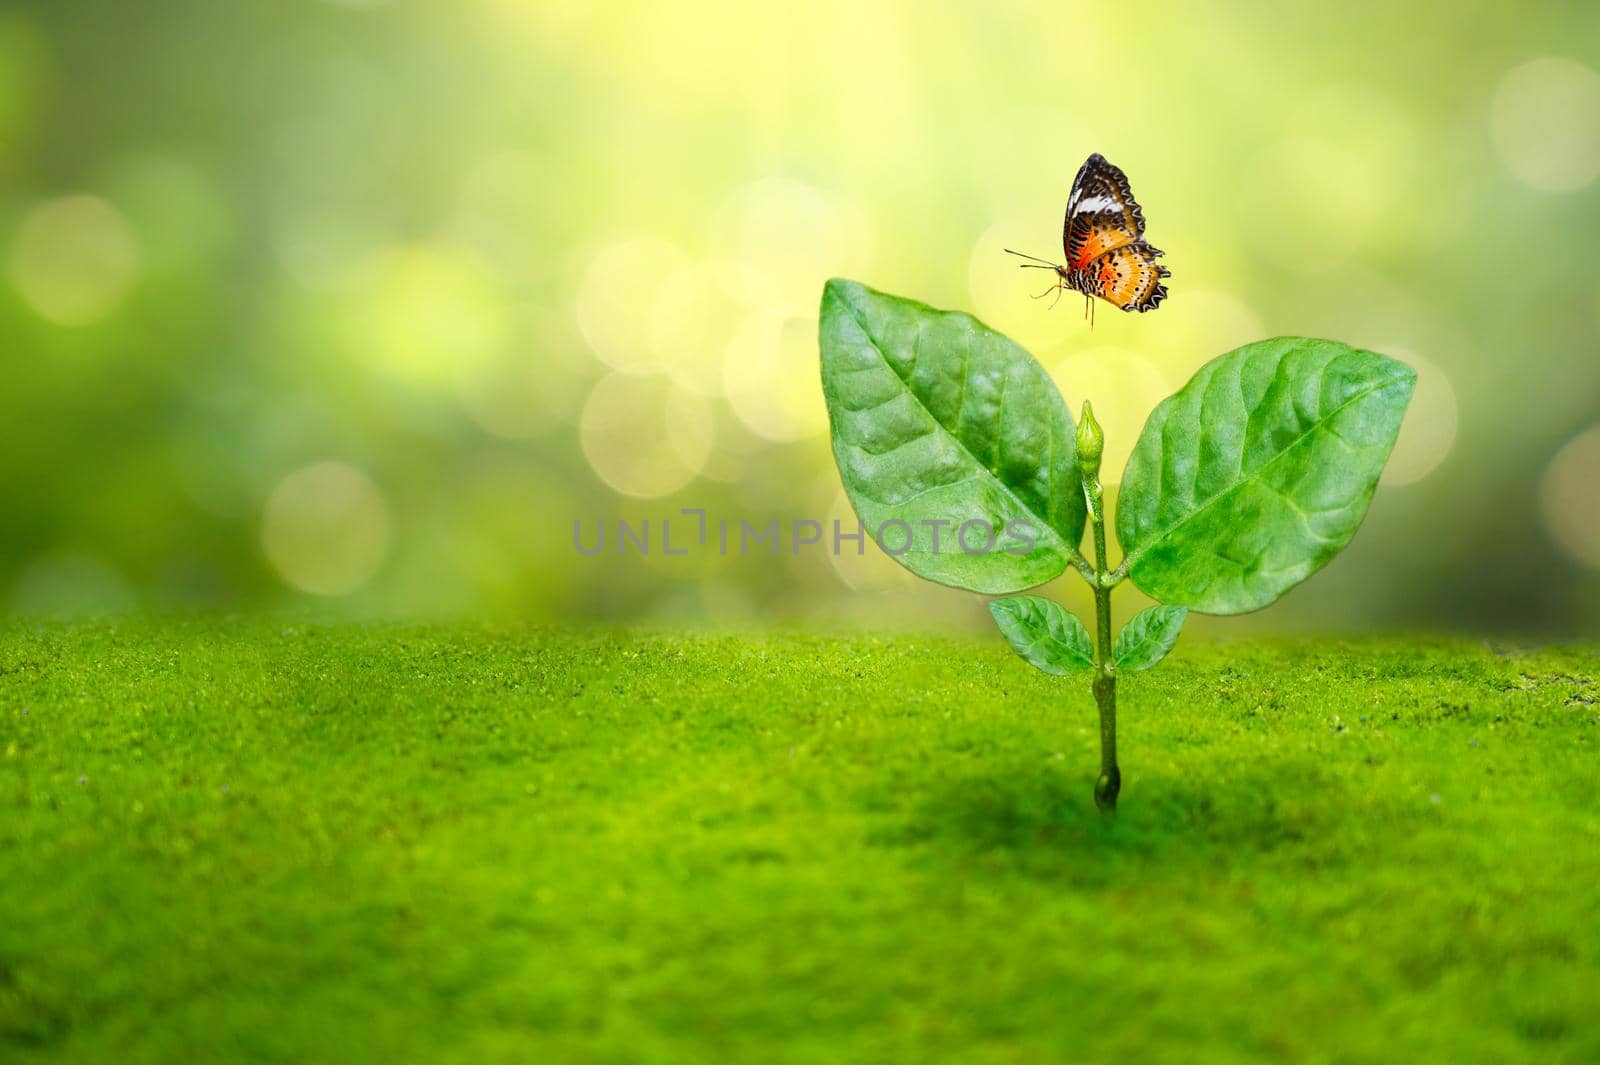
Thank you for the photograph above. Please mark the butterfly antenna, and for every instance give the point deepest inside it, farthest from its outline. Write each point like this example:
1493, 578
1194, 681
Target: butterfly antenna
1037, 263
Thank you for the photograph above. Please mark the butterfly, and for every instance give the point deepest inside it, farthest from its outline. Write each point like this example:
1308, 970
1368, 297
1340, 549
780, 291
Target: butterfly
1107, 255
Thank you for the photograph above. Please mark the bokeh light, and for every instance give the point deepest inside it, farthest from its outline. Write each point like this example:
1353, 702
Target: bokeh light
1124, 388
1569, 500
1546, 123
534, 388
1020, 302
644, 436
617, 299
697, 308
326, 529
1195, 325
73, 259
770, 375
1429, 431
791, 233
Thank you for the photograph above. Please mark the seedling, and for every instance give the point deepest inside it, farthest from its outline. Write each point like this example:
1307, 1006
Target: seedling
1243, 483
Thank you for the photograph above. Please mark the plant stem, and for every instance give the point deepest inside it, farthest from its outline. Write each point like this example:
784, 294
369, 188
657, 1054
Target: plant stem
1084, 568
1105, 670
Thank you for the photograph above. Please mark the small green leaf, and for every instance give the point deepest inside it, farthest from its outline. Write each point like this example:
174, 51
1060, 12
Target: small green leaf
1258, 471
1051, 638
1148, 636
946, 431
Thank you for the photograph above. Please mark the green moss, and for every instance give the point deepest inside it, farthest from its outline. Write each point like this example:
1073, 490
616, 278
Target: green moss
235, 841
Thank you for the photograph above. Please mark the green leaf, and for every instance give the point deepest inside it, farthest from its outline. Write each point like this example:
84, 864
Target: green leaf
950, 428
1258, 471
1040, 630
1148, 636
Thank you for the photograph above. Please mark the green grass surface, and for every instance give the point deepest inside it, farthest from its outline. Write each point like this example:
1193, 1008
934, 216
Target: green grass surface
240, 841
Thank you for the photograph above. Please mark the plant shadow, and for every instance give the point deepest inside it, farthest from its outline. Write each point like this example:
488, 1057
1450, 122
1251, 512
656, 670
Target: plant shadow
1044, 823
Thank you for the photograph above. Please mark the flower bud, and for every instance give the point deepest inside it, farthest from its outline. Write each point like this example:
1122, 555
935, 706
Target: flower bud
1091, 442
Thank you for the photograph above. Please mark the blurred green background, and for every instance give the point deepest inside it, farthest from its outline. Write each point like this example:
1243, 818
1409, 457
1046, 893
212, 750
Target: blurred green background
362, 304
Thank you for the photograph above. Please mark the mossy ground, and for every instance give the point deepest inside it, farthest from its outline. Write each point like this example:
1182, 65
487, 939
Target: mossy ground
249, 841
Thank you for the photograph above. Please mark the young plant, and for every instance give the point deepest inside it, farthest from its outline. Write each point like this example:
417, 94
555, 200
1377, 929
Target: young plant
958, 453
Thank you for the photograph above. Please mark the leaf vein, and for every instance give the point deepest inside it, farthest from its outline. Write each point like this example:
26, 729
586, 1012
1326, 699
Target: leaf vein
1058, 542
1134, 556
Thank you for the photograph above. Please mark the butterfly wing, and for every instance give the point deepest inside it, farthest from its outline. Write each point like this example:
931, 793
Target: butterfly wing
1101, 213
1129, 277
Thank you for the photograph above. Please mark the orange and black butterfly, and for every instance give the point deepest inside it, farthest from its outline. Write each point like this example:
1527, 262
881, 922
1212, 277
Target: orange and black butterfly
1107, 255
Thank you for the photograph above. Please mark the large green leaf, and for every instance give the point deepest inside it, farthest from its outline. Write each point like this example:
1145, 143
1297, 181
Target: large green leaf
1258, 471
938, 421
1047, 635
1148, 636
